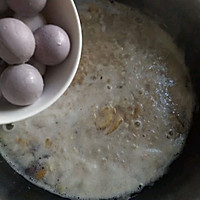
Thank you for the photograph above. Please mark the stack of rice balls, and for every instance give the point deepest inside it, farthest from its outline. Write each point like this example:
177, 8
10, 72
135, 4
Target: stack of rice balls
27, 46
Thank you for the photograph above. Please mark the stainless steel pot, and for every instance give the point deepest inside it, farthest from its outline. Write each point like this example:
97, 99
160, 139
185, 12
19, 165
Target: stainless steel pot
181, 18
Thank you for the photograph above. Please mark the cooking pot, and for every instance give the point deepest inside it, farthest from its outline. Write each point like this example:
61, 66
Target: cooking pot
181, 19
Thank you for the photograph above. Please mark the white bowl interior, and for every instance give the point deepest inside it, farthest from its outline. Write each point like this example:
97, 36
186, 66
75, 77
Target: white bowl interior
58, 78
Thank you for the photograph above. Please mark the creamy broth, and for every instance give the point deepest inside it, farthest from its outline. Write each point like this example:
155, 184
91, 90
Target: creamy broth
123, 120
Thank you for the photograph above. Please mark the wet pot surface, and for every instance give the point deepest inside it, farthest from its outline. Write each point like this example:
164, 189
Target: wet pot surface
182, 181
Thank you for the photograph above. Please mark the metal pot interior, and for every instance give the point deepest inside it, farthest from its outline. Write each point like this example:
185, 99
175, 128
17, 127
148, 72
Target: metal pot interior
182, 20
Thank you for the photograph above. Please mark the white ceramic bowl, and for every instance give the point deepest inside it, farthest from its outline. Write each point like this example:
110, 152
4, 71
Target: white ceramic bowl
57, 79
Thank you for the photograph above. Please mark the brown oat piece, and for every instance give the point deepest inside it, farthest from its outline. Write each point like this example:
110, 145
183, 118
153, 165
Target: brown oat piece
104, 117
48, 143
40, 174
115, 124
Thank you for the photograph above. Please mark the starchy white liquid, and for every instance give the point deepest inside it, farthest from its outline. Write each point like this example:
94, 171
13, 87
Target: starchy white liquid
122, 122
